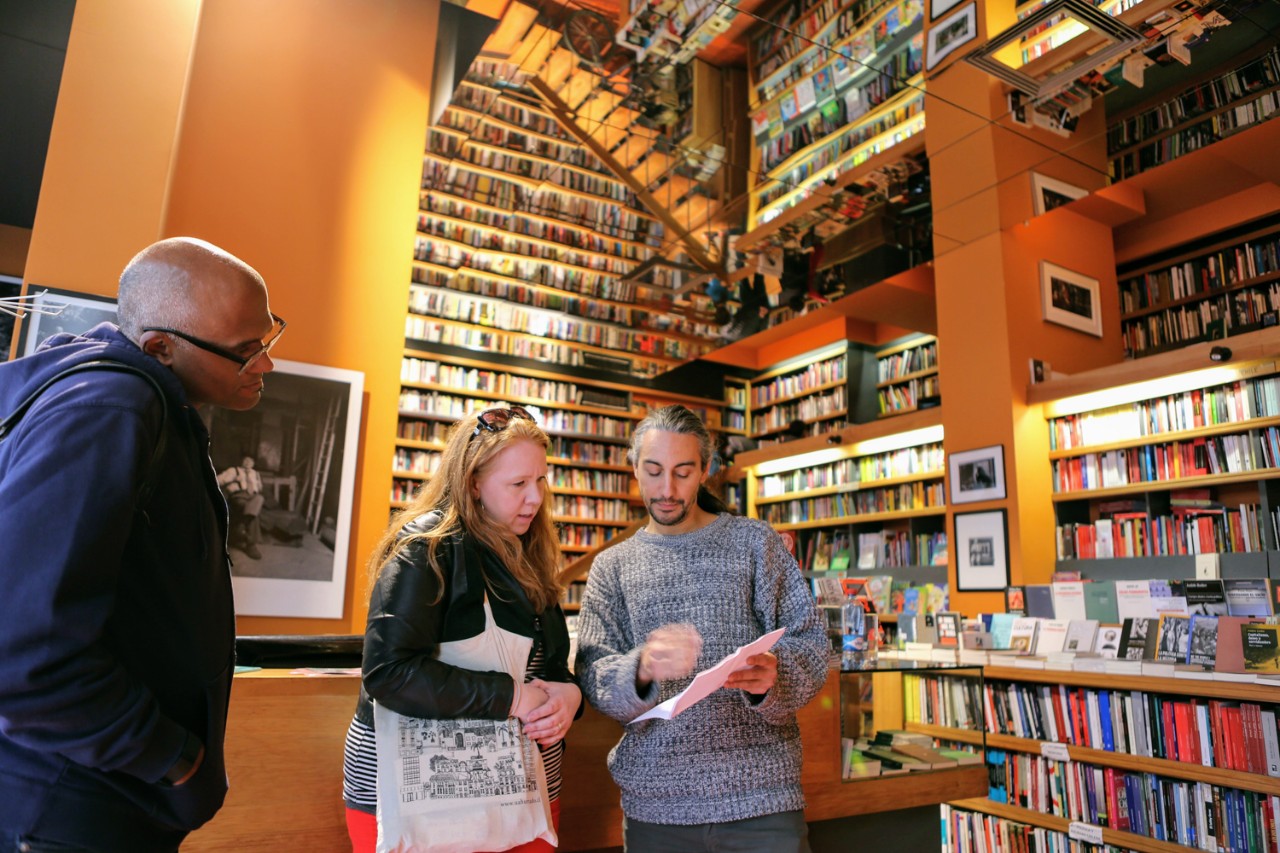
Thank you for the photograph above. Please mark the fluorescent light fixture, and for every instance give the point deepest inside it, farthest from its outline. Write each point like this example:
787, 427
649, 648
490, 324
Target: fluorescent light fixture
1152, 388
897, 441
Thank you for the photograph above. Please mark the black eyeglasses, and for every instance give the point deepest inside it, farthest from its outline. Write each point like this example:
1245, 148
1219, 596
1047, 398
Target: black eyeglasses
496, 420
245, 362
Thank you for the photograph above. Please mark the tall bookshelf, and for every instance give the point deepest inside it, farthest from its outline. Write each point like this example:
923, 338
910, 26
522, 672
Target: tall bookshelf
838, 84
1153, 774
1213, 108
907, 376
1224, 284
809, 394
1164, 459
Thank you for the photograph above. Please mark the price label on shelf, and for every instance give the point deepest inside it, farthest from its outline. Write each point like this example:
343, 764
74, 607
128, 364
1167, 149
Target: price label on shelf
1055, 751
1086, 832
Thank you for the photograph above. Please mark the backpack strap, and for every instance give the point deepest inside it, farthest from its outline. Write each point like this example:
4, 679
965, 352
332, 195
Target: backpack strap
148, 485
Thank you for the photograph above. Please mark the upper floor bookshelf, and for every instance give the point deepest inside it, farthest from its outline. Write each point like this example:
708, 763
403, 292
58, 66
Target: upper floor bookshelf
907, 375
1222, 103
1222, 285
804, 396
842, 88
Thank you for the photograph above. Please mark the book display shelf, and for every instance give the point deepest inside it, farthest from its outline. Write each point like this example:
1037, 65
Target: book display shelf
875, 502
1222, 104
1224, 284
589, 425
837, 84
525, 240
1132, 762
906, 375
812, 390
1162, 463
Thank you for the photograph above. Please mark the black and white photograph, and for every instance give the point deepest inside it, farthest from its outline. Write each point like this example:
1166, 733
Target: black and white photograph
1202, 648
75, 313
1108, 642
950, 33
982, 550
977, 475
1070, 299
287, 469
1048, 193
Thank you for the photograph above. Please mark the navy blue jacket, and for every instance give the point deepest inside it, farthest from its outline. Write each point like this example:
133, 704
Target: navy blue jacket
117, 631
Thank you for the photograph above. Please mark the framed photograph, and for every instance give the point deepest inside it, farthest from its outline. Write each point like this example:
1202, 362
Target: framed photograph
946, 35
301, 440
981, 550
938, 8
977, 475
1070, 299
80, 313
1048, 193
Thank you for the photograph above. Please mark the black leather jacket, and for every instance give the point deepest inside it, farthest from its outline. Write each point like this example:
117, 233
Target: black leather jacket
405, 628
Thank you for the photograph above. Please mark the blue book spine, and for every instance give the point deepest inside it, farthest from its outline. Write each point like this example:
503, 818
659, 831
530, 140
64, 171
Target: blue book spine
1104, 713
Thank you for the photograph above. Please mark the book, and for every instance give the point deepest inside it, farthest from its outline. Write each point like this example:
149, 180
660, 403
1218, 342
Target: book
855, 764
1203, 596
1107, 644
1100, 602
947, 624
1051, 636
1133, 600
1022, 634
1081, 634
1068, 600
1001, 628
1247, 596
1039, 597
1202, 646
1173, 631
1015, 601
1229, 657
1260, 644
1137, 639
927, 755
961, 756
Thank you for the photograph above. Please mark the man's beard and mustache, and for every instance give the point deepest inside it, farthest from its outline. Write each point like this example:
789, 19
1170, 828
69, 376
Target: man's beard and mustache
668, 520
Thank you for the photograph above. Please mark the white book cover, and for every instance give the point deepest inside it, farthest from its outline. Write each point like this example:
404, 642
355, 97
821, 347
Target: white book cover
1022, 636
1270, 742
1052, 636
1068, 599
1133, 600
1081, 634
1104, 540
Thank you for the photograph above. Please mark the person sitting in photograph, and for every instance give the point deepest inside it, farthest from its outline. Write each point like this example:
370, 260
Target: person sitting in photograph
242, 487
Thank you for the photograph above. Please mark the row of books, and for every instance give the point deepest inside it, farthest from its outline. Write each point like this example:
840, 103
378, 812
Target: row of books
819, 373
416, 461
1234, 402
906, 397
598, 509
481, 99
904, 462
517, 223
966, 831
477, 237
483, 282
585, 535
588, 480
885, 594
848, 505
778, 417
1109, 602
891, 752
1152, 463
448, 253
1200, 276
491, 131
423, 430
488, 381
830, 551
1197, 815
913, 360
1135, 534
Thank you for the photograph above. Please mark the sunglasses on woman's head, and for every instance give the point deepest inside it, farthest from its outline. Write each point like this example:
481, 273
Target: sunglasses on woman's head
496, 420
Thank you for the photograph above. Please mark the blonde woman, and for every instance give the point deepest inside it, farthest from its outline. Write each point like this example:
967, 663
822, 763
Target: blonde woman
480, 526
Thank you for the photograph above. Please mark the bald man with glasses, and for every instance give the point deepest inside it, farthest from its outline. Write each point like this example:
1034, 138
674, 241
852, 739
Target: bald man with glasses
117, 629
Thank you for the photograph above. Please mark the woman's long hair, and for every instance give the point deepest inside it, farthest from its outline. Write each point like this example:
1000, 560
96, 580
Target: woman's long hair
533, 558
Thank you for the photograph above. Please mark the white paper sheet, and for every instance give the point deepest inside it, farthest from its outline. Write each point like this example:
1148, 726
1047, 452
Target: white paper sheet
709, 681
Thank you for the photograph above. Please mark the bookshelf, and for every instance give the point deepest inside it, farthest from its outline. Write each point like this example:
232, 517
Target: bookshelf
906, 374
1215, 107
1154, 764
843, 87
812, 389
1223, 285
1151, 467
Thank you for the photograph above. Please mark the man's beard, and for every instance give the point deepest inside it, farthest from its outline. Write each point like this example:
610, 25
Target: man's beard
684, 513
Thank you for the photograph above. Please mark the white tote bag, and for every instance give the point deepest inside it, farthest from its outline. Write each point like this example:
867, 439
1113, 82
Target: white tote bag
462, 785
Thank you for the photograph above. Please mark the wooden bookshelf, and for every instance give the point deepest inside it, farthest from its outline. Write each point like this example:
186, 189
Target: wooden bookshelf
811, 389
906, 373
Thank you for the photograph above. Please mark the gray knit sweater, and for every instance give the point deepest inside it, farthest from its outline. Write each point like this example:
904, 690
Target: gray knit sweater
730, 756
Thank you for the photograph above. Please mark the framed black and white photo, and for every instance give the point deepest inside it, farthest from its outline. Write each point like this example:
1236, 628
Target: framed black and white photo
981, 550
938, 8
1070, 299
950, 33
302, 440
977, 475
79, 312
1048, 193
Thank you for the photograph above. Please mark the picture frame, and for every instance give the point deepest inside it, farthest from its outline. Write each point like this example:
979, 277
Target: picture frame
10, 287
981, 550
977, 475
304, 437
951, 32
81, 313
938, 8
1048, 193
1070, 299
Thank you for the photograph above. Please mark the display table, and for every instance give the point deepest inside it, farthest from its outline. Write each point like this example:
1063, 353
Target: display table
284, 754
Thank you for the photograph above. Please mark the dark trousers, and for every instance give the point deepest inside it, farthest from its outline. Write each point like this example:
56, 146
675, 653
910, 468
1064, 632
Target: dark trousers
785, 832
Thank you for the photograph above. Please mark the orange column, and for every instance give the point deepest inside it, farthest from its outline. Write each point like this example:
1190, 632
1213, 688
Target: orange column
988, 249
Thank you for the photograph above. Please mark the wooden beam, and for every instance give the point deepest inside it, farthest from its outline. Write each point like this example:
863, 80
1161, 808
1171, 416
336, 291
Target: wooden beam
564, 115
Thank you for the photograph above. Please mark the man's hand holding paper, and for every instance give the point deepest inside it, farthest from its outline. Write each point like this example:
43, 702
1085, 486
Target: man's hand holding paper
751, 664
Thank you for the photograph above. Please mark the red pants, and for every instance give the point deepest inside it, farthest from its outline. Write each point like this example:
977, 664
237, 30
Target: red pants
363, 829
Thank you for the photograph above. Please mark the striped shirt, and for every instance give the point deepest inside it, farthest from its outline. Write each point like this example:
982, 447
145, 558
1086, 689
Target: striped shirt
360, 754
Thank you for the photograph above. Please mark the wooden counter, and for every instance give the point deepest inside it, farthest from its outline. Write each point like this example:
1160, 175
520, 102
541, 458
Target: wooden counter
284, 754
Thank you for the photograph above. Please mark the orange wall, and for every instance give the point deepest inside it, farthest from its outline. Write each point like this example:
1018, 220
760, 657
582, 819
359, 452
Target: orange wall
301, 151
112, 140
14, 243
